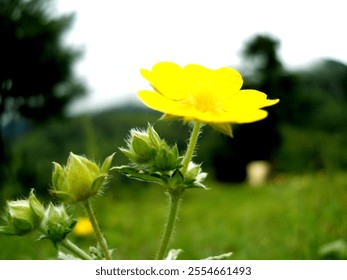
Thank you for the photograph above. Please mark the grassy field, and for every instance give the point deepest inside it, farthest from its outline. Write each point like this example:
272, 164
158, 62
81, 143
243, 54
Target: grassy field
288, 218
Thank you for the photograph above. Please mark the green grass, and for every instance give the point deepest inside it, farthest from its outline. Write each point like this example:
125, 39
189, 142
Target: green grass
289, 218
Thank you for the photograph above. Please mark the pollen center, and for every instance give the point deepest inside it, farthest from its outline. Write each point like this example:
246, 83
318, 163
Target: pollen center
205, 102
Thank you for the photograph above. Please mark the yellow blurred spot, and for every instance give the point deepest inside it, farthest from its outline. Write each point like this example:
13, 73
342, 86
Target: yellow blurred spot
83, 227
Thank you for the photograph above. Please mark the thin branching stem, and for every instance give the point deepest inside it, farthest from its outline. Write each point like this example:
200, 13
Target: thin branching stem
77, 251
191, 147
99, 236
174, 201
175, 195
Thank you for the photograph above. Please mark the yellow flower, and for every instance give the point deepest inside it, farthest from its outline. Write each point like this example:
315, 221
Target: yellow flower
83, 227
196, 93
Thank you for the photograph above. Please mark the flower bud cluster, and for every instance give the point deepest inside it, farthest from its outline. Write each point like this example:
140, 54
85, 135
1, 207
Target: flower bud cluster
28, 215
148, 151
80, 179
153, 160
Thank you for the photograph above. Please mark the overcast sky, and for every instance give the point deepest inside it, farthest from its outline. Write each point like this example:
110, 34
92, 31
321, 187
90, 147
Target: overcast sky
119, 37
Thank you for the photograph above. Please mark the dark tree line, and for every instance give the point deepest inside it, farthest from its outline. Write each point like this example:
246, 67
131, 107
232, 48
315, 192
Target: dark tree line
36, 77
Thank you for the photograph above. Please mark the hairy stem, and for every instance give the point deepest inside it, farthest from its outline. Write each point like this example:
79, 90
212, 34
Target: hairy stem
191, 146
73, 248
175, 194
174, 201
99, 236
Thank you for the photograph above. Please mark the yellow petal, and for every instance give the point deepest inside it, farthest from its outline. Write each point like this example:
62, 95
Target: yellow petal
220, 82
237, 116
247, 99
160, 103
168, 79
199, 93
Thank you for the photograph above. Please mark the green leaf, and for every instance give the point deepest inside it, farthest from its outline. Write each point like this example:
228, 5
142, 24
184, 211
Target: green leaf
173, 254
63, 256
140, 175
220, 257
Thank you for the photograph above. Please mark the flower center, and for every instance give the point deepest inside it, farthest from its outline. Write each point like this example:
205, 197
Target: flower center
205, 102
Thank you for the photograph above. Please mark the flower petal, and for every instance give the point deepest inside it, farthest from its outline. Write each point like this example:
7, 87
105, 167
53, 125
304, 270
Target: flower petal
167, 78
222, 82
196, 93
239, 116
247, 99
160, 103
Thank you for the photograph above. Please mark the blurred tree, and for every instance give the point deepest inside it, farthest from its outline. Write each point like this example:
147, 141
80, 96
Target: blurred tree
324, 87
317, 138
36, 79
259, 140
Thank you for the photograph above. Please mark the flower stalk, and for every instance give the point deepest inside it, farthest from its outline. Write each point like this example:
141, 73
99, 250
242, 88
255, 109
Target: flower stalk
98, 234
73, 248
175, 194
174, 202
191, 147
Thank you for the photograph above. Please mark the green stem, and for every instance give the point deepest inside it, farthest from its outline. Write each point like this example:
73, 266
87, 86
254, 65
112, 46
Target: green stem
175, 194
73, 248
191, 146
174, 201
99, 237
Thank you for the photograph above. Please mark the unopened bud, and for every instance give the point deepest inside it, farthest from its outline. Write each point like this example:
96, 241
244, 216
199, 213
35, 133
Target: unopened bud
56, 223
23, 216
147, 149
167, 158
79, 179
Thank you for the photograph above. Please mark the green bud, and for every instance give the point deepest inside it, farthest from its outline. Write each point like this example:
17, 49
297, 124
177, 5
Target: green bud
194, 176
167, 158
79, 179
140, 148
23, 216
150, 152
56, 223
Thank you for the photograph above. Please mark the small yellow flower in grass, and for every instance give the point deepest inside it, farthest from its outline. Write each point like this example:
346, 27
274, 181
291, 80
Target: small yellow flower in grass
83, 227
196, 93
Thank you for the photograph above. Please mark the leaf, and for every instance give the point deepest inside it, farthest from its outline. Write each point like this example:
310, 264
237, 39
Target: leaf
140, 175
64, 256
173, 254
220, 257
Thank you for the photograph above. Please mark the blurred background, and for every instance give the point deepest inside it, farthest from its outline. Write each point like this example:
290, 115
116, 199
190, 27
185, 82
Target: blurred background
69, 73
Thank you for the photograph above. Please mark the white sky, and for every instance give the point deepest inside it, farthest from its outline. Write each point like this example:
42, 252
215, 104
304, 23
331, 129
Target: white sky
119, 37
